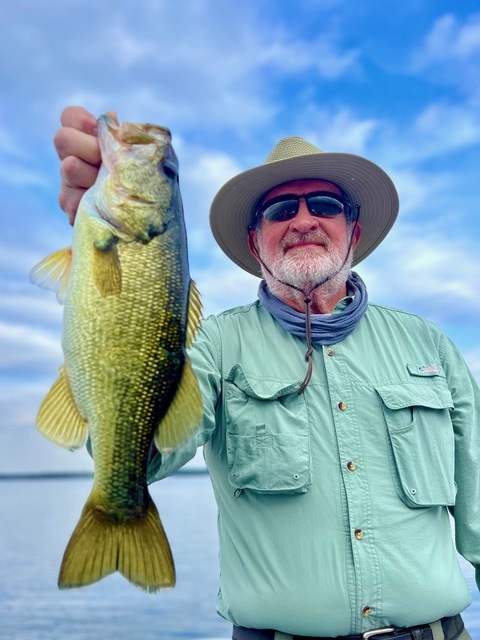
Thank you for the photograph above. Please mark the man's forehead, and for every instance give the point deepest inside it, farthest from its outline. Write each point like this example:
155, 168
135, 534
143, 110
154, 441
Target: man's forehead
302, 186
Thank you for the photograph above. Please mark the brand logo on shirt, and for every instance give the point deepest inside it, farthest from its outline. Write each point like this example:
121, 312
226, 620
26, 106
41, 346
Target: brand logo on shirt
428, 368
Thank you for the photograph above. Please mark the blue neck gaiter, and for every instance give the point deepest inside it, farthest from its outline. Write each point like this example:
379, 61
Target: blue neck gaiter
325, 328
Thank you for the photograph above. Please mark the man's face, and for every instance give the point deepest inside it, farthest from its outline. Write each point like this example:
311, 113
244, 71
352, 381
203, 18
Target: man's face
305, 249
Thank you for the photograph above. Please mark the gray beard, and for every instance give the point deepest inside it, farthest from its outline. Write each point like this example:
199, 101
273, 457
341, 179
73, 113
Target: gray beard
290, 273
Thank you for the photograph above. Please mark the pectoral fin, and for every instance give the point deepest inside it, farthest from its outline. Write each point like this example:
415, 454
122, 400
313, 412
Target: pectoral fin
106, 268
184, 413
59, 418
194, 313
53, 272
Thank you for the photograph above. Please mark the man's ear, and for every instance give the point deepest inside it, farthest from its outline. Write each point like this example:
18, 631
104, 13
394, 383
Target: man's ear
253, 243
357, 234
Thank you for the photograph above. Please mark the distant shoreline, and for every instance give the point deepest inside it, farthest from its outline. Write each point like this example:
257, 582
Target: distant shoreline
75, 475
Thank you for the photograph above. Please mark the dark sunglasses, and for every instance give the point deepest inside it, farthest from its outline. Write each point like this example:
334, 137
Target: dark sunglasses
319, 203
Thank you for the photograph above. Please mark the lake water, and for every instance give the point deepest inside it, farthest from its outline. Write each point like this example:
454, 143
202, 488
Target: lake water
37, 518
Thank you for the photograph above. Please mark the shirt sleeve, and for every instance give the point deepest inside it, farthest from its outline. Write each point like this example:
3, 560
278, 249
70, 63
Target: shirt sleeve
204, 355
466, 423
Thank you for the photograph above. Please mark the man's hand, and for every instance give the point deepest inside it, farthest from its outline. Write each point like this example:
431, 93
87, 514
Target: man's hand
77, 147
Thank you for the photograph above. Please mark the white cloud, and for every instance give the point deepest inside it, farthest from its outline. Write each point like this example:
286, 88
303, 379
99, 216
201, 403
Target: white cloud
130, 47
445, 127
16, 174
450, 39
17, 166
224, 286
289, 56
11, 144
230, 79
205, 65
28, 349
450, 53
472, 359
428, 272
209, 172
203, 173
22, 448
435, 131
420, 191
336, 129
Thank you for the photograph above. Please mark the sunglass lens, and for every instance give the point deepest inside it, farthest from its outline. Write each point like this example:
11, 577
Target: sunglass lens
279, 211
324, 206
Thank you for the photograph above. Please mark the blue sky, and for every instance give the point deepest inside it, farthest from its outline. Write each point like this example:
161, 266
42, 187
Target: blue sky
394, 82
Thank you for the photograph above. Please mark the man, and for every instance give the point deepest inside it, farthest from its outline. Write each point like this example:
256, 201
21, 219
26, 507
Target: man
338, 434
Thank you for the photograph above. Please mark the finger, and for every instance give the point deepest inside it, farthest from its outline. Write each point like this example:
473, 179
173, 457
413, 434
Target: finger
77, 173
69, 199
72, 142
80, 119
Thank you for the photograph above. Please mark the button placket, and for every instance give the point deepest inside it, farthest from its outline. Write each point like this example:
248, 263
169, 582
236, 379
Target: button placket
356, 488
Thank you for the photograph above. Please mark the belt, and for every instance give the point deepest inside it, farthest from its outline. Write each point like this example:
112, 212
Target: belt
451, 626
422, 632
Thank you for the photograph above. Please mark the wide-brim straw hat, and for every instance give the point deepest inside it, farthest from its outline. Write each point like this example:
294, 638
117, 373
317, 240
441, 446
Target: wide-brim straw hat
292, 159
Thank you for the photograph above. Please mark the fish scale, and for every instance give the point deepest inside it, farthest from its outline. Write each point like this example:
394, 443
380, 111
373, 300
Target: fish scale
130, 312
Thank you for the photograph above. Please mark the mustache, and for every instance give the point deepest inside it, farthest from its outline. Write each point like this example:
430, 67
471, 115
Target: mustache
298, 238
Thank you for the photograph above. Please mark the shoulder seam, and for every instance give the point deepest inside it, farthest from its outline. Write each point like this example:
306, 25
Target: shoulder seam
402, 312
236, 310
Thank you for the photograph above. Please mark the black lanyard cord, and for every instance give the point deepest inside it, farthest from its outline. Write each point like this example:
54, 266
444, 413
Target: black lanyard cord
307, 299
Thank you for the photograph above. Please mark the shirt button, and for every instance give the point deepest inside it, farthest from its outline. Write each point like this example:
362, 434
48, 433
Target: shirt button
351, 466
342, 406
330, 351
366, 611
358, 534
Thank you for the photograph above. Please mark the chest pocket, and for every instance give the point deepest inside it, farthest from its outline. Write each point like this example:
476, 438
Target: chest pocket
420, 431
267, 434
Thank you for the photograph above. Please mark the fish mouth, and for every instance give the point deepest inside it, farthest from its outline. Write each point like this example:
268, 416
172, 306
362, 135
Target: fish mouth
113, 136
132, 133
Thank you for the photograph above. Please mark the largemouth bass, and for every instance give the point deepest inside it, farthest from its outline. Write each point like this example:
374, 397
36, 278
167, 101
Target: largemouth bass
130, 312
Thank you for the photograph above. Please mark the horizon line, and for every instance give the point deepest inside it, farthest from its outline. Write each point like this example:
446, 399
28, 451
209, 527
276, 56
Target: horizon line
76, 475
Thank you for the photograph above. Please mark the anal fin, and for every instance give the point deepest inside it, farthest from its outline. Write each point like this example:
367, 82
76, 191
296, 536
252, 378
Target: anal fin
194, 313
184, 413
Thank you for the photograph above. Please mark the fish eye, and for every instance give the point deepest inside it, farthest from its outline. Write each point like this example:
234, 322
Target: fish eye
169, 169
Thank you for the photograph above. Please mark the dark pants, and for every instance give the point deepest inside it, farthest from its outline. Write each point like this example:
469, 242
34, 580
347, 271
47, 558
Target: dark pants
452, 628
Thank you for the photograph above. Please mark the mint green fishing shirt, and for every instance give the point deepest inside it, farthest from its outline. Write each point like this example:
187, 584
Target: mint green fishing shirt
333, 505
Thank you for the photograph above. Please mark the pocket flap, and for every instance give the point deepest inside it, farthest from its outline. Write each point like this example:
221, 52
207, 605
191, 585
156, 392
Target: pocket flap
426, 394
426, 370
260, 388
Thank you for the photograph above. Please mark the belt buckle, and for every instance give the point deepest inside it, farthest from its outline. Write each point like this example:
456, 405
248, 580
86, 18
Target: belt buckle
377, 632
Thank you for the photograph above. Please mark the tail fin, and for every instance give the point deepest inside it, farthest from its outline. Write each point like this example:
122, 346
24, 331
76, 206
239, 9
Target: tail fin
138, 548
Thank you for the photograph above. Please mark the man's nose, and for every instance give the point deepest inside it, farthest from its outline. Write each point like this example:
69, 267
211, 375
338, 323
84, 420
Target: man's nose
303, 222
